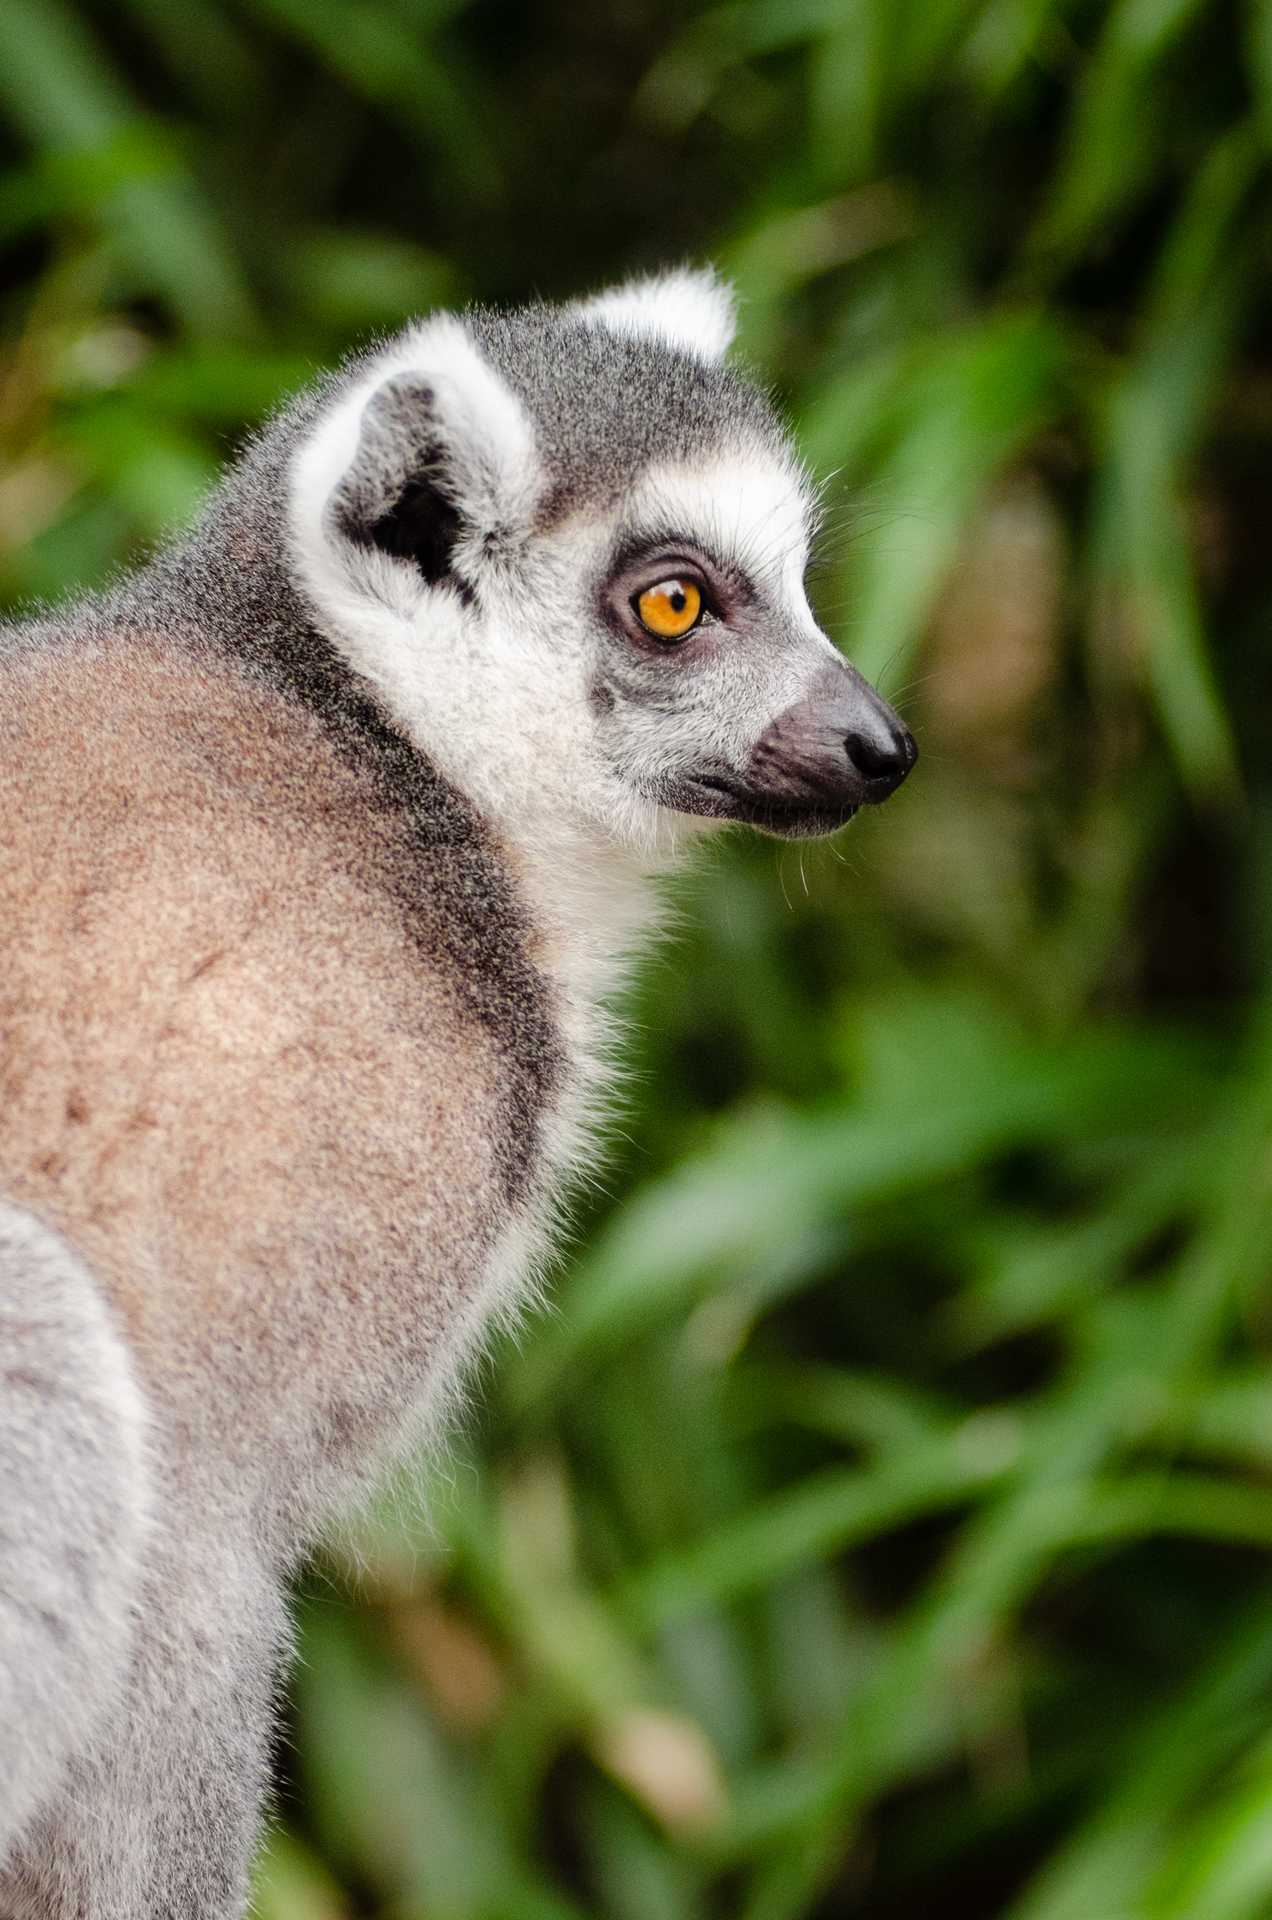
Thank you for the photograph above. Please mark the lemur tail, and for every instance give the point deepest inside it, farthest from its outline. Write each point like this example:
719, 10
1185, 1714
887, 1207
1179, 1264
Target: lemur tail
73, 1507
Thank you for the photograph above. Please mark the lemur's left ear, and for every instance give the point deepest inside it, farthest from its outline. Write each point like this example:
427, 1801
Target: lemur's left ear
430, 461
691, 308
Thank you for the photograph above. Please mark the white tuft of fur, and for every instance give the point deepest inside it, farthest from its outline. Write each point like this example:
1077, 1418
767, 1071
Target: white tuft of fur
690, 308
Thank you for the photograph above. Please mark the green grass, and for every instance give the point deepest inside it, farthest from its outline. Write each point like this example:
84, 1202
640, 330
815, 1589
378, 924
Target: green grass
880, 1522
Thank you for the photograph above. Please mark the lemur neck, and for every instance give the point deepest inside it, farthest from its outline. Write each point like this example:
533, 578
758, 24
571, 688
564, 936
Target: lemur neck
594, 907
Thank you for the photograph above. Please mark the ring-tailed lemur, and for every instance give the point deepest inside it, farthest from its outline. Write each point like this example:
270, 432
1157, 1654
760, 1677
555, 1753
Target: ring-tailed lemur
321, 841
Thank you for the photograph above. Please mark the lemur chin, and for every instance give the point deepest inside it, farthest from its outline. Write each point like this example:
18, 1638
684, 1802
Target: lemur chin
324, 839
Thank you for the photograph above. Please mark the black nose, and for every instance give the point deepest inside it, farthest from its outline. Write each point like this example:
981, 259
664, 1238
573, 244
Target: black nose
883, 756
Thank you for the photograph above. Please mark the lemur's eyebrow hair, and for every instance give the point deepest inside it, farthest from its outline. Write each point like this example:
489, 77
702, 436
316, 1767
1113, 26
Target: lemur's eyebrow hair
637, 544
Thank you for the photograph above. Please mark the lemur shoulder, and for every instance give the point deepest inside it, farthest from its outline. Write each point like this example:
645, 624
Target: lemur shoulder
322, 840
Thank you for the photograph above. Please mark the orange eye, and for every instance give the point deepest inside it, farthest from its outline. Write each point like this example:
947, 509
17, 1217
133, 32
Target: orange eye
670, 609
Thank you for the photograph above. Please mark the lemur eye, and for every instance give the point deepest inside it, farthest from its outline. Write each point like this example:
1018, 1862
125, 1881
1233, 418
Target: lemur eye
670, 609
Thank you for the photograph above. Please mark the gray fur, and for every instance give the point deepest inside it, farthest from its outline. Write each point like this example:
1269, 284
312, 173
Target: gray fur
322, 839
606, 407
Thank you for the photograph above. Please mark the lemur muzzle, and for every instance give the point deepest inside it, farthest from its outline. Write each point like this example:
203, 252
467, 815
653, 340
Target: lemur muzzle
840, 746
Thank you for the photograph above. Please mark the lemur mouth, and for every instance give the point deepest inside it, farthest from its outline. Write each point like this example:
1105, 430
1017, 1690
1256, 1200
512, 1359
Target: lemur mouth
718, 798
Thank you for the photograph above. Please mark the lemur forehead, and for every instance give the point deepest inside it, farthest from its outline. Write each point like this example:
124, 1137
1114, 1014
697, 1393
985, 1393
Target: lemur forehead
608, 406
749, 512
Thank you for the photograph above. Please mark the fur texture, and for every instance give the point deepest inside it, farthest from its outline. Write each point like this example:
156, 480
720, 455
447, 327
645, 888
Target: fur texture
322, 842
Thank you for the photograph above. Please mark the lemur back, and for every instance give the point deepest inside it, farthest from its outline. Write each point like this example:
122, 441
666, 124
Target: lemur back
323, 840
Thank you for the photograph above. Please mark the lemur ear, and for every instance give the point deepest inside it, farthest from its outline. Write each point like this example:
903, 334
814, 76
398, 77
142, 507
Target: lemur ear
399, 493
430, 460
690, 308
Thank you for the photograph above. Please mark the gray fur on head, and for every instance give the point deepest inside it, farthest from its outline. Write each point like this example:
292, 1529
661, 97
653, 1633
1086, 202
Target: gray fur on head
325, 837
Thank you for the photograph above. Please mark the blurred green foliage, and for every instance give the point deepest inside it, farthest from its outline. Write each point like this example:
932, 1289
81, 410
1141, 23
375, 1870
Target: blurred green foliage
880, 1523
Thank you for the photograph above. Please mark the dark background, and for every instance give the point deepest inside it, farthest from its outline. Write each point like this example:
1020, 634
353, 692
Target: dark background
879, 1524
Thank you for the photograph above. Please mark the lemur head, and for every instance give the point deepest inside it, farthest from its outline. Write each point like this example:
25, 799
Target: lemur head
568, 545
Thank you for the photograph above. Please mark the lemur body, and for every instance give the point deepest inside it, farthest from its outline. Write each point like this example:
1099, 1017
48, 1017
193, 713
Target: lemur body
322, 842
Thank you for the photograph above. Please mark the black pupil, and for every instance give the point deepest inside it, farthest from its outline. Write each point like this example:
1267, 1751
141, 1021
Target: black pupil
678, 598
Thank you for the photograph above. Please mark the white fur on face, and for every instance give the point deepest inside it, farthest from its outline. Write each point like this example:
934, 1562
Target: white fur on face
747, 511
752, 511
688, 308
